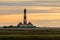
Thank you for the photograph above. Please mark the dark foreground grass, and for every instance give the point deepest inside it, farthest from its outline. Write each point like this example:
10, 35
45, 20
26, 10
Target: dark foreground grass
25, 35
30, 37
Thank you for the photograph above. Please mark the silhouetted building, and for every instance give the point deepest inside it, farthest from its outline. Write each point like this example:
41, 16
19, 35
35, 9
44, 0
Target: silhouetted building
20, 24
29, 24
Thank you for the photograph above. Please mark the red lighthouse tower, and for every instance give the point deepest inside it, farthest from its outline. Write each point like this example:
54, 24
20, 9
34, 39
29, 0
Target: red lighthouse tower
25, 20
25, 24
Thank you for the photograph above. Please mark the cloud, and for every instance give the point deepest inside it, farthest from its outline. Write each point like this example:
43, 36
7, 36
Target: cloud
31, 3
47, 23
18, 9
10, 11
47, 0
25, 0
44, 11
14, 0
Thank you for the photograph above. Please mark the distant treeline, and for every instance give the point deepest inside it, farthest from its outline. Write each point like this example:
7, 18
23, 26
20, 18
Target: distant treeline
11, 26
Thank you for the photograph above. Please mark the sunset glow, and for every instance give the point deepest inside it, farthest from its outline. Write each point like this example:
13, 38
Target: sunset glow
39, 12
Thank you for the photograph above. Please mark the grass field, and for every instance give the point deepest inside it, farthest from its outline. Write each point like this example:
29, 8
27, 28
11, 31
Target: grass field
28, 35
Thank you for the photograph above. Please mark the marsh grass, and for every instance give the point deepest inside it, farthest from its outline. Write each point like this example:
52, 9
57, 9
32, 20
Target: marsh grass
25, 35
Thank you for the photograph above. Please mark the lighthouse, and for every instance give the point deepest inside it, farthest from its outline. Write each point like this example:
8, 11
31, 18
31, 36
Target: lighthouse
25, 20
25, 24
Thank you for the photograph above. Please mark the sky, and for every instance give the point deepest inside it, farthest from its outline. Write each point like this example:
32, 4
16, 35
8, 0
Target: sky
40, 12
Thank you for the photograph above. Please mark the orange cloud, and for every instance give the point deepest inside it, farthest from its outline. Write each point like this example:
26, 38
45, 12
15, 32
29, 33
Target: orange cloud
14, 0
35, 18
44, 16
30, 17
